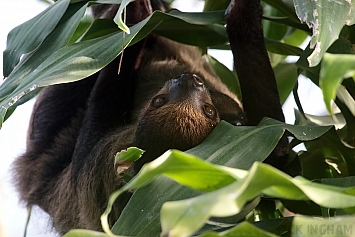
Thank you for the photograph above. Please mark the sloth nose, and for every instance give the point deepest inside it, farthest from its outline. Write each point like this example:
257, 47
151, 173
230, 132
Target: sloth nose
189, 78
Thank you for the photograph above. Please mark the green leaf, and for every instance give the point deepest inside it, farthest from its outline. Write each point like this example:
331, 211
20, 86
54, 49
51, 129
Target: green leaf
326, 29
147, 202
279, 227
85, 233
286, 7
271, 30
118, 18
171, 164
130, 154
288, 22
77, 61
212, 5
104, 1
188, 170
303, 133
183, 218
83, 26
57, 39
229, 78
314, 158
22, 80
335, 68
28, 36
204, 32
338, 156
341, 182
100, 28
199, 18
286, 77
233, 150
296, 38
282, 48
243, 229
302, 207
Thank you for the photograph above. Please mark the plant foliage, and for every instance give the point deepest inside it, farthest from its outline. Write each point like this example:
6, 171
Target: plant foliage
218, 188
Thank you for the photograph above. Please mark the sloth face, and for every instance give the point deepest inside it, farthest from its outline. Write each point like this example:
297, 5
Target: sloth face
188, 94
179, 116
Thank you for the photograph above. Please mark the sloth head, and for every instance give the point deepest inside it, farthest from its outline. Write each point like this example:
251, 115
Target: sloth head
180, 116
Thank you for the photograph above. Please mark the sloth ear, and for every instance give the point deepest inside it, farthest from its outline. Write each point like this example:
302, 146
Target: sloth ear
228, 109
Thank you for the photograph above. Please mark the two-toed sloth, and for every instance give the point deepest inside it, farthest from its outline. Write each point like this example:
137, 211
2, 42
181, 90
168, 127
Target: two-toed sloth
165, 96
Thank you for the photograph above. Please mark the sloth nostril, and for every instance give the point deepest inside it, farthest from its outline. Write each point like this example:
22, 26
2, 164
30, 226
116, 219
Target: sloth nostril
188, 79
179, 77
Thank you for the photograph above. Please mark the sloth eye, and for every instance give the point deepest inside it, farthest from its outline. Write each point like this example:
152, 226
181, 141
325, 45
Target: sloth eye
159, 101
210, 111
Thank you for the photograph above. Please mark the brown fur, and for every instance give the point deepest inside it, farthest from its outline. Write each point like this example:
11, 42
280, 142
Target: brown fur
76, 195
77, 128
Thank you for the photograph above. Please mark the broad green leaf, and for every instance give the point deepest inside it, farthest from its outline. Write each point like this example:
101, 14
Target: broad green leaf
314, 158
311, 72
347, 132
204, 32
302, 207
346, 98
266, 210
130, 154
28, 36
286, 77
171, 164
229, 78
335, 68
286, 7
104, 1
199, 18
303, 133
183, 218
296, 38
21, 82
147, 202
325, 120
271, 30
100, 28
233, 149
85, 233
279, 227
77, 61
325, 195
118, 18
57, 39
326, 18
341, 182
288, 22
83, 26
242, 229
212, 5
338, 156
282, 48
303, 226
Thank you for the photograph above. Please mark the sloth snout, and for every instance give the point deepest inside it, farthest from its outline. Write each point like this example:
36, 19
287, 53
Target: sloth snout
188, 79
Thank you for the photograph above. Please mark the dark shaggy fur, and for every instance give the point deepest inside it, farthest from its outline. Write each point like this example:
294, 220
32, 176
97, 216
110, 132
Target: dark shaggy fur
67, 169
165, 96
